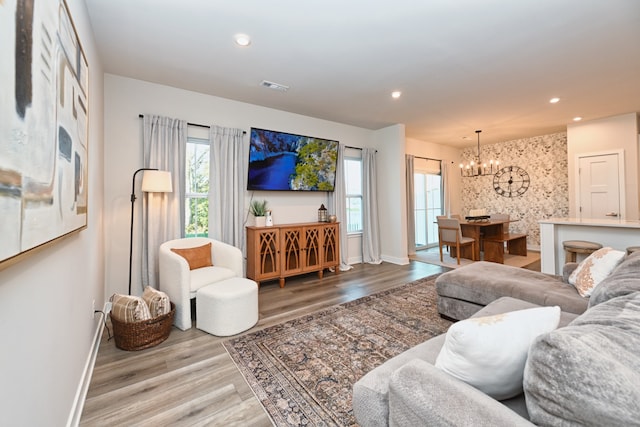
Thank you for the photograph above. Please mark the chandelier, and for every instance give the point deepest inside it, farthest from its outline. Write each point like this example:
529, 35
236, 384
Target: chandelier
476, 167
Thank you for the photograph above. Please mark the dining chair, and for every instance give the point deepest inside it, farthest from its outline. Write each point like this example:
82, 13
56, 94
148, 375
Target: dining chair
501, 217
450, 234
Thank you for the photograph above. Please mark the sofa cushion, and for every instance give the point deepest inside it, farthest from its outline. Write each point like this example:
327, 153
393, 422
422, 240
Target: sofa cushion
588, 372
624, 280
594, 269
422, 395
197, 257
489, 352
483, 282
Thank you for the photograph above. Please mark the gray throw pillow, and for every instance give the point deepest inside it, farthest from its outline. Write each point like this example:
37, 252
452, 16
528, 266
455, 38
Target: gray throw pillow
588, 372
624, 280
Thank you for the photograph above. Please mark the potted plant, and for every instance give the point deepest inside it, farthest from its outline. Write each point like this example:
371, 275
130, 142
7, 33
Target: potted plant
258, 209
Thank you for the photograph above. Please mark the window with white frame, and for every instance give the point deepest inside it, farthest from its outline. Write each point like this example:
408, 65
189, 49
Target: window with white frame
197, 188
353, 183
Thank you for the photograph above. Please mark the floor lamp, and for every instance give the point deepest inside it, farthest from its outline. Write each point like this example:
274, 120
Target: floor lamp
153, 181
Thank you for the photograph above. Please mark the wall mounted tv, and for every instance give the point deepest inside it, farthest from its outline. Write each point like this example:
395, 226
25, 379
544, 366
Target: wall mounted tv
284, 161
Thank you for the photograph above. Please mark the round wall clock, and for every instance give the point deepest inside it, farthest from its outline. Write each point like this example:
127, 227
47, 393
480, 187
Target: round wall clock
511, 181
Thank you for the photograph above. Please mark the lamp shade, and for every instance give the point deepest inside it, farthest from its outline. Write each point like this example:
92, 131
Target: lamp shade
156, 181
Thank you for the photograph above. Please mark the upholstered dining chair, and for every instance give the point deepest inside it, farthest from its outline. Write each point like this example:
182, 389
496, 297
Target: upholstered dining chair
501, 217
450, 234
191, 263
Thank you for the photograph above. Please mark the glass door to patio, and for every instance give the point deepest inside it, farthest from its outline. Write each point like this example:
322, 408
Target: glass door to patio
428, 204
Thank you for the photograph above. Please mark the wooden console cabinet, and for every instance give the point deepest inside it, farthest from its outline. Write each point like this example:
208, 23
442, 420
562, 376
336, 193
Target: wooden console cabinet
287, 250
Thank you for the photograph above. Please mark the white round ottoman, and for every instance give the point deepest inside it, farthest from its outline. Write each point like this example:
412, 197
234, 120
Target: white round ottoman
227, 307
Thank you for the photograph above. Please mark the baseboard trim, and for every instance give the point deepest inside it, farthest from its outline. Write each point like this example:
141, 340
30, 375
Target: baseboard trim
85, 380
395, 260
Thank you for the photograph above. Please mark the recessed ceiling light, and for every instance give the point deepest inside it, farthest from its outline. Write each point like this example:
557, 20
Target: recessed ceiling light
396, 94
577, 119
274, 86
242, 40
554, 100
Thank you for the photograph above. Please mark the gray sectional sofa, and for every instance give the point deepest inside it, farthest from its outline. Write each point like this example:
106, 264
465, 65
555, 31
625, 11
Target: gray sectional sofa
586, 372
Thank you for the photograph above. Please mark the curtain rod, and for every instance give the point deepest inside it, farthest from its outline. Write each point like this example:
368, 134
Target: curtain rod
427, 158
244, 132
355, 148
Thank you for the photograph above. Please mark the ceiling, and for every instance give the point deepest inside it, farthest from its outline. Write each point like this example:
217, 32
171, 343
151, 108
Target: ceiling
461, 65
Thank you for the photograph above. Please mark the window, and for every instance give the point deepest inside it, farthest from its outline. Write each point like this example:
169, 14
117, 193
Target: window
197, 188
353, 182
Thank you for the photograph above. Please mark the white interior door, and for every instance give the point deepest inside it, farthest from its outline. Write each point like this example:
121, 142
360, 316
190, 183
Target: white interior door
600, 186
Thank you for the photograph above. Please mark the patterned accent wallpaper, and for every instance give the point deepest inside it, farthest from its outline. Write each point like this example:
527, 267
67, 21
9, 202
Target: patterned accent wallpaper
545, 160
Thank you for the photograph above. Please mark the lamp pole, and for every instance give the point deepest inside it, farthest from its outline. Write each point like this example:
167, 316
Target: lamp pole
133, 199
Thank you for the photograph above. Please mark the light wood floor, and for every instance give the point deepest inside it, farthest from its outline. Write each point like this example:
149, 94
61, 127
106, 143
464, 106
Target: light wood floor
190, 380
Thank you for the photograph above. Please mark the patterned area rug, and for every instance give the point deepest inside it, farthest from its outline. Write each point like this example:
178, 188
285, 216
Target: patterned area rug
303, 370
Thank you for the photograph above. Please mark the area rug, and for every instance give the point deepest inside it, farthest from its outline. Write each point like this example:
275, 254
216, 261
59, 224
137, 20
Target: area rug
303, 370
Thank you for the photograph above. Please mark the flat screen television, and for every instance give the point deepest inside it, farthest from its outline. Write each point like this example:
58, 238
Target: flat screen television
288, 162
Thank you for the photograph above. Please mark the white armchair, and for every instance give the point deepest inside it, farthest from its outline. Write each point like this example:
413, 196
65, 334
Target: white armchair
181, 283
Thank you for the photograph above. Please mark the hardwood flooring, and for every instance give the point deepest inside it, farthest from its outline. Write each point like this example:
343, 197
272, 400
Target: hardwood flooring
190, 380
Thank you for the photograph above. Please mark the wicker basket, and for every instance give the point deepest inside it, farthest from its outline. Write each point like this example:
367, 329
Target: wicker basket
132, 336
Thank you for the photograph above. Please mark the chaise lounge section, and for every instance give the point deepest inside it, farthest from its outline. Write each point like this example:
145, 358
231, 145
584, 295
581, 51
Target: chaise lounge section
464, 291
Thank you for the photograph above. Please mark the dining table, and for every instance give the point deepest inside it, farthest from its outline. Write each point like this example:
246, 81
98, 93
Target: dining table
479, 230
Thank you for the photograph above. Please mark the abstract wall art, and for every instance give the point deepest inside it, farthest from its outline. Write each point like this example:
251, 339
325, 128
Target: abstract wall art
43, 128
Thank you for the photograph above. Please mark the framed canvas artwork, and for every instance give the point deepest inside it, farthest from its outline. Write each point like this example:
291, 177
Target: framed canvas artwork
44, 127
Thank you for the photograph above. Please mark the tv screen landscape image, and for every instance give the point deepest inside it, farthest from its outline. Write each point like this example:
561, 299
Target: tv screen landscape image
280, 161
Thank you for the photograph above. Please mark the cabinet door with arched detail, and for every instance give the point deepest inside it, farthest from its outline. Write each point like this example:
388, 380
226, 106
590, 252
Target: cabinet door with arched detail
263, 253
291, 250
331, 246
312, 248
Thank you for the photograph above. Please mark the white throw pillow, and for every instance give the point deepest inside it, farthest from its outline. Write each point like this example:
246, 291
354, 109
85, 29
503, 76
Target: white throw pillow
594, 269
489, 353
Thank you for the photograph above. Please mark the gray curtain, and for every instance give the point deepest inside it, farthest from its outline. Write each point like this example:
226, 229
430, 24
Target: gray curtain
411, 221
227, 186
338, 205
164, 147
371, 252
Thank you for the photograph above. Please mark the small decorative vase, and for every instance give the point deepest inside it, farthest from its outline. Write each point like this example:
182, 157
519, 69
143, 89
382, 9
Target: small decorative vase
261, 221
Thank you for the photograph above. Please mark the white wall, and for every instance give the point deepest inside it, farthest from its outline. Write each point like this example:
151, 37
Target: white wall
607, 134
126, 98
46, 320
392, 205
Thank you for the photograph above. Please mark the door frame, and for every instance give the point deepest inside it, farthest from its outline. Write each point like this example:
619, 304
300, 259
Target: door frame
621, 180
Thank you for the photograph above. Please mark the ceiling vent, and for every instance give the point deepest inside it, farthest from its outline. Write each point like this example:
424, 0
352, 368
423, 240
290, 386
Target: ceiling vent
274, 86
